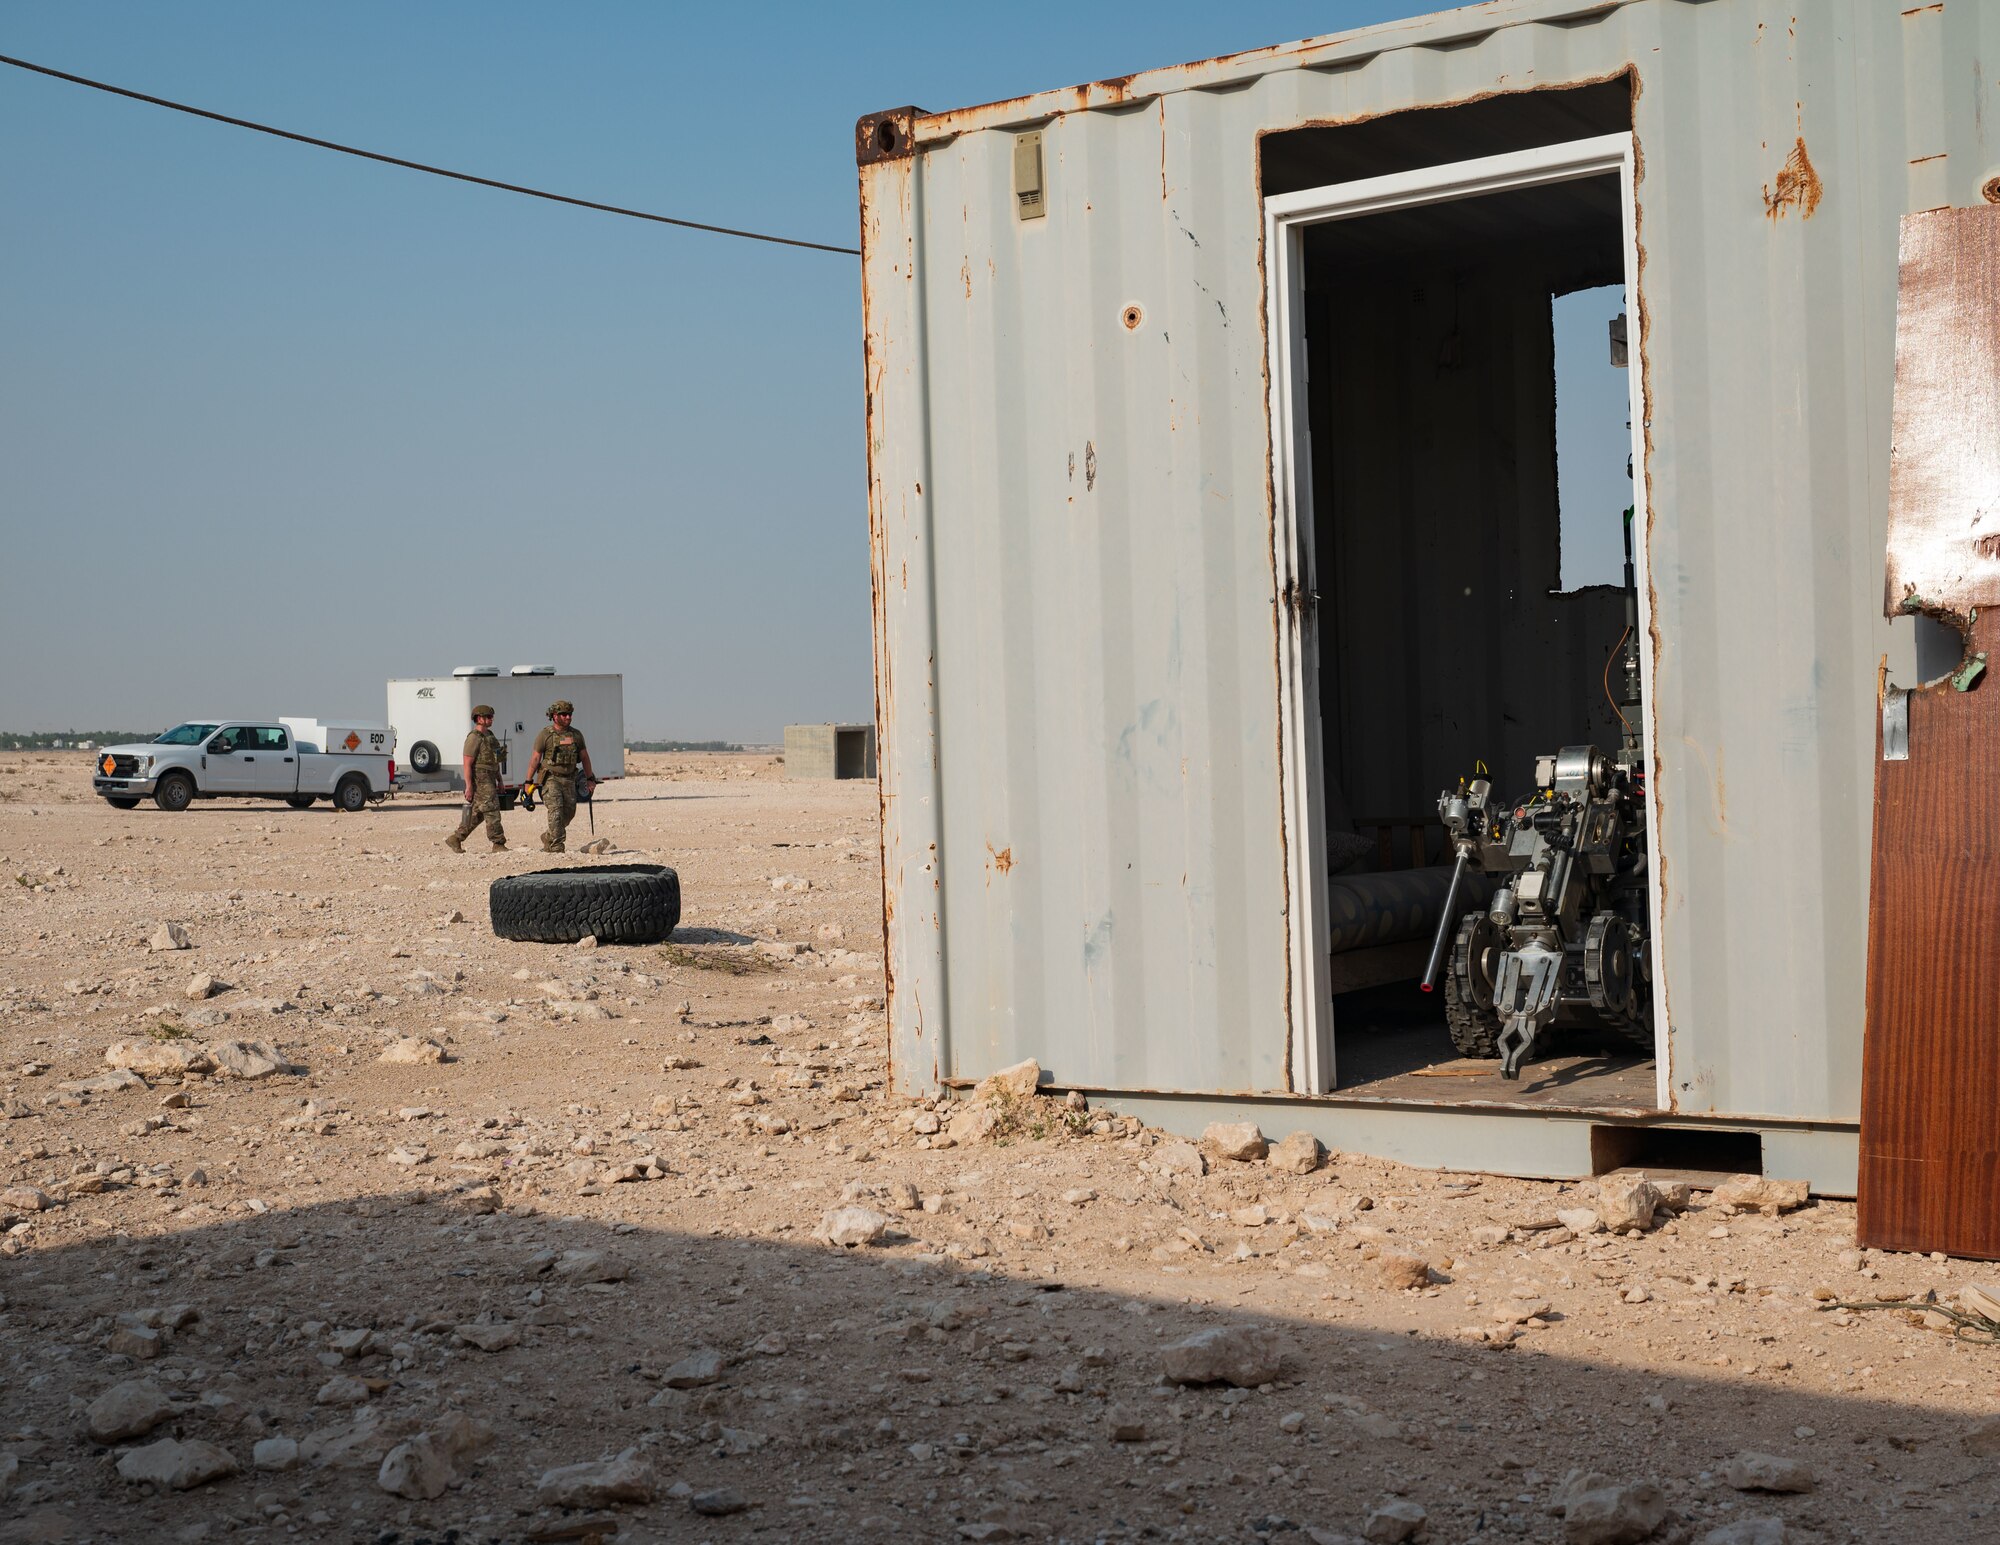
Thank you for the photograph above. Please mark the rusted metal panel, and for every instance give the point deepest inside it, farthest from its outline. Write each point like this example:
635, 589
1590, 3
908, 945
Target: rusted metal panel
1088, 678
900, 515
1930, 1112
1944, 467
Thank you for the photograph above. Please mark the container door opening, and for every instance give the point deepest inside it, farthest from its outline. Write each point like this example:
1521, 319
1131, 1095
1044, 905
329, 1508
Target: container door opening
1460, 517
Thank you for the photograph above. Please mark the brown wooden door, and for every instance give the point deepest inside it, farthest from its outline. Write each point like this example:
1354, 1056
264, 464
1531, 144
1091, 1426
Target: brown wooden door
1930, 1092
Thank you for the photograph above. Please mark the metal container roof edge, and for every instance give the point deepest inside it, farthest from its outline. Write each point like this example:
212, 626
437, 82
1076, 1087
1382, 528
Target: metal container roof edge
894, 134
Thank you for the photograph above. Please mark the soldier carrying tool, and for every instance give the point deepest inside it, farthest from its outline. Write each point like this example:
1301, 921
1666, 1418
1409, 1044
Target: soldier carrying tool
484, 760
563, 761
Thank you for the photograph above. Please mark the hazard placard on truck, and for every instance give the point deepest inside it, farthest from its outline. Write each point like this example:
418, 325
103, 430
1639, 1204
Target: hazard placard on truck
357, 739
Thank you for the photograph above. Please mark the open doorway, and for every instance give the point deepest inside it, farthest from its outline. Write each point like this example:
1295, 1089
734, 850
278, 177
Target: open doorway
1463, 603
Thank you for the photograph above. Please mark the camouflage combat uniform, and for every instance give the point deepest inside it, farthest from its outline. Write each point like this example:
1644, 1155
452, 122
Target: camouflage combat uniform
561, 752
483, 748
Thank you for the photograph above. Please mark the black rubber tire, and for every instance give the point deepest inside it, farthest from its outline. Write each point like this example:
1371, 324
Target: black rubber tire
1474, 1027
174, 792
617, 903
424, 758
300, 801
352, 794
121, 801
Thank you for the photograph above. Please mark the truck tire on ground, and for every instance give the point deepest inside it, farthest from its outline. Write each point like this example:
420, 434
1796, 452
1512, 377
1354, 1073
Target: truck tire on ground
300, 801
616, 903
424, 757
174, 792
352, 795
121, 802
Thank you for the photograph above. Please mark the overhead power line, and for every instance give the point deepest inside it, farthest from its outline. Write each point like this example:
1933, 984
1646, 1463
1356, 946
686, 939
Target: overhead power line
419, 166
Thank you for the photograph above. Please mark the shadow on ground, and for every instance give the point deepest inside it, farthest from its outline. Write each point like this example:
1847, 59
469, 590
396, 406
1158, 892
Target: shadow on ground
866, 1394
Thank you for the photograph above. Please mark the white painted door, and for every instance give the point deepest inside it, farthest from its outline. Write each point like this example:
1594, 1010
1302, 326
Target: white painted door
1287, 217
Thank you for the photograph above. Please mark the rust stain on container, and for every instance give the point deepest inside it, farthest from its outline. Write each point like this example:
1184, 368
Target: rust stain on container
1000, 860
1798, 186
1643, 318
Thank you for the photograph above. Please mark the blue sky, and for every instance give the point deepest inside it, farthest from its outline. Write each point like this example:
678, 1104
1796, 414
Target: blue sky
278, 424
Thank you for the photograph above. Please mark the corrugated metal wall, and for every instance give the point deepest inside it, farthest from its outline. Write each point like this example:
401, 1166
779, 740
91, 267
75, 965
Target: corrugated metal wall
1076, 626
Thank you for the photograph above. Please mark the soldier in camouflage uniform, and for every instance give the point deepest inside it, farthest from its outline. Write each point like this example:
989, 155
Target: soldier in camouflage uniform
483, 762
559, 752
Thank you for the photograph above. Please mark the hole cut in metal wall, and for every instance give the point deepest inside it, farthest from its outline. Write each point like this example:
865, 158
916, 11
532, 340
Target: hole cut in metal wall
1702, 1150
1593, 437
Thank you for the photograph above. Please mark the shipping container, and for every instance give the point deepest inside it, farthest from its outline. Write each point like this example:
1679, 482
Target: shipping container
1213, 435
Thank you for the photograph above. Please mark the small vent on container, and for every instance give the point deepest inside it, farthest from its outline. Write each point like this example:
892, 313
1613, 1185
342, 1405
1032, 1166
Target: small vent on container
1029, 194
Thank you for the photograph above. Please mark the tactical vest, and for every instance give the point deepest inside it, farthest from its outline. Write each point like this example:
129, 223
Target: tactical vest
487, 757
562, 757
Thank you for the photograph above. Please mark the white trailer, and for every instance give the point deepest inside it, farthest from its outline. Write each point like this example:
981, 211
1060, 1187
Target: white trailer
430, 716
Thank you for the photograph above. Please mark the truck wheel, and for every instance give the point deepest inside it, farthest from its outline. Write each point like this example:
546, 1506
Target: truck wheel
174, 792
352, 794
615, 903
300, 801
121, 802
424, 757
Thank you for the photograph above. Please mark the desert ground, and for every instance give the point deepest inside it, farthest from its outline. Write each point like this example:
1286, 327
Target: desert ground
551, 1272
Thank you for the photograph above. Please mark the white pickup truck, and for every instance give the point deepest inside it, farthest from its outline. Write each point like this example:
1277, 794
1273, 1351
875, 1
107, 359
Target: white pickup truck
296, 760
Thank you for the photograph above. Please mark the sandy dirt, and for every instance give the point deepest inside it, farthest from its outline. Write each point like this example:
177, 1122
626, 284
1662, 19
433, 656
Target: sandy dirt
427, 1275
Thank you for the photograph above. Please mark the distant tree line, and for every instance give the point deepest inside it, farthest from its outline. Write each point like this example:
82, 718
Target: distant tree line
681, 745
65, 740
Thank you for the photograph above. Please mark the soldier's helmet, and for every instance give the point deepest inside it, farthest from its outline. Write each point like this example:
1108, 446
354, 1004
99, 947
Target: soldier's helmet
482, 711
561, 705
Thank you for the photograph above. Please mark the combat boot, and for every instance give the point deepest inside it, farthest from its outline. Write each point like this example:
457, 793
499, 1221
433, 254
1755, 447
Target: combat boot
550, 847
499, 847
455, 842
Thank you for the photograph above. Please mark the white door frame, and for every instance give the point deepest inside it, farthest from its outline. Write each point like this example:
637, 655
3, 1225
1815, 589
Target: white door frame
1286, 217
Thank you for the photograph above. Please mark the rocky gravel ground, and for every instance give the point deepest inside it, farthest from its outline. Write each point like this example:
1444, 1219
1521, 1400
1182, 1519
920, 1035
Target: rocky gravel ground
328, 1215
